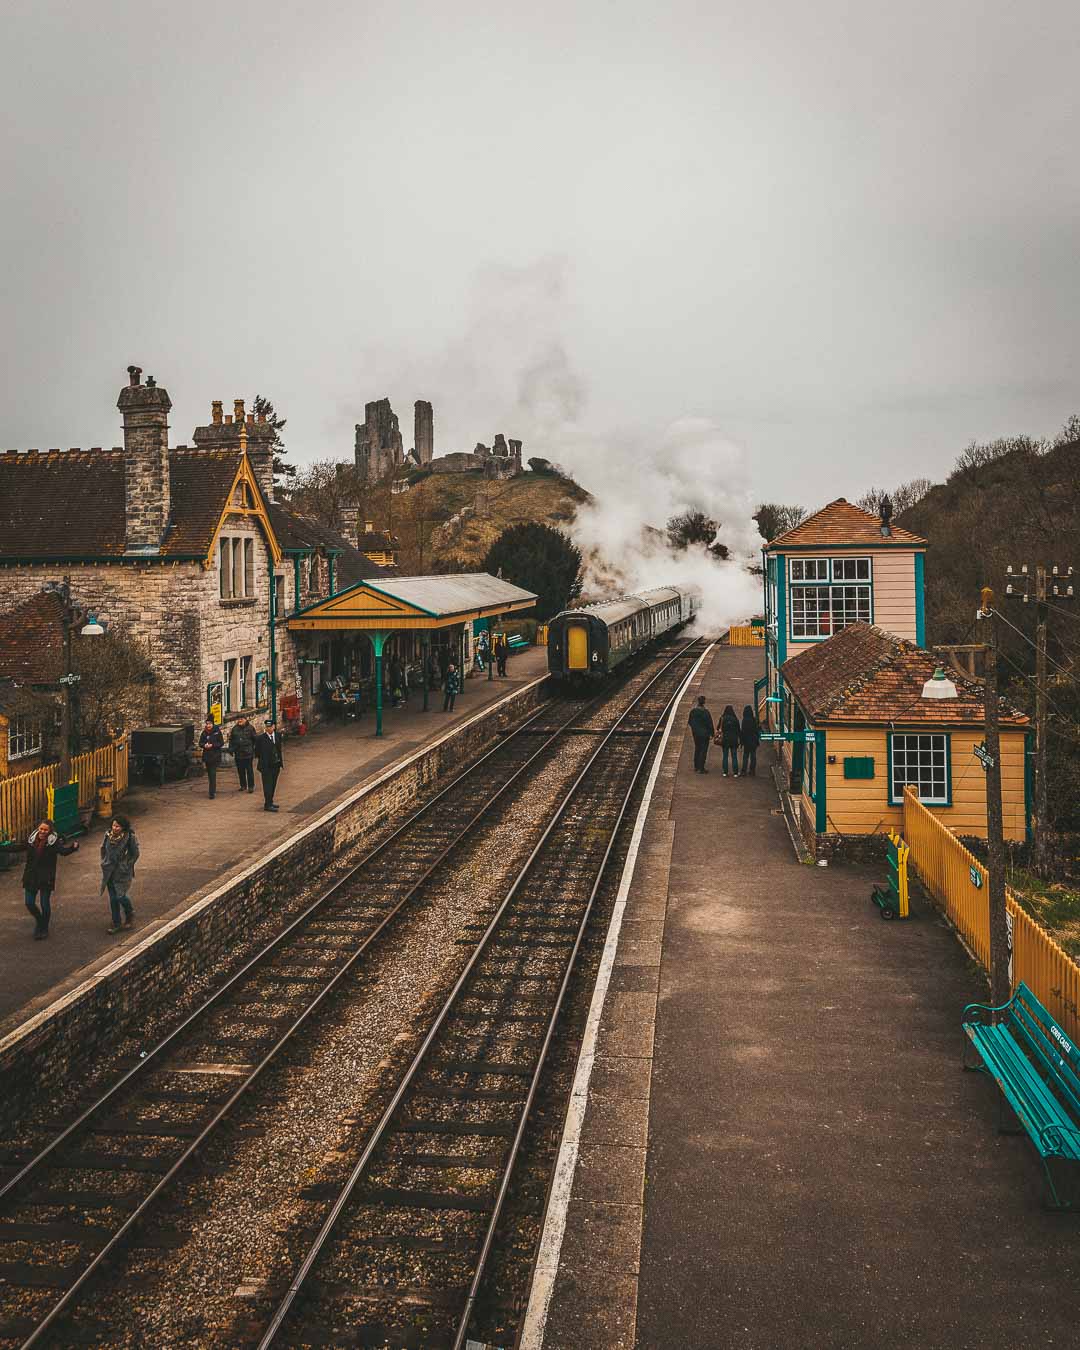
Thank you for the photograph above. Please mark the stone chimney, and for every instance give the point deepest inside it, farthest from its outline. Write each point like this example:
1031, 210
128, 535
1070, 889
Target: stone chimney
145, 410
349, 522
423, 431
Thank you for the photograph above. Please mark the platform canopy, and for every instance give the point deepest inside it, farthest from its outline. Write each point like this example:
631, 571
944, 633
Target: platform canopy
384, 604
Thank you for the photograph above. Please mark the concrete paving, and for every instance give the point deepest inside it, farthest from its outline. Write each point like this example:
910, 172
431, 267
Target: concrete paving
817, 1171
190, 844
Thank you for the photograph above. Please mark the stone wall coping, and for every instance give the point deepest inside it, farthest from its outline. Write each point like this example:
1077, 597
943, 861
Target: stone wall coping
46, 1014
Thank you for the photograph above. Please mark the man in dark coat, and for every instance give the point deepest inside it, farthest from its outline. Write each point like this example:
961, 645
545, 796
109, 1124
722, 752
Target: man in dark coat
500, 653
451, 687
211, 743
702, 730
242, 744
270, 761
39, 874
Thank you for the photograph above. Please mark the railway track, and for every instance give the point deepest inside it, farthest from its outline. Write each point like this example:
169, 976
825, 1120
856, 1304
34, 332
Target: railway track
96, 1185
401, 1257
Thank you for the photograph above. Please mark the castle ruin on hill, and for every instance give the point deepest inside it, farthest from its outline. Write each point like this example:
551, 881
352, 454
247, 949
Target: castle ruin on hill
379, 450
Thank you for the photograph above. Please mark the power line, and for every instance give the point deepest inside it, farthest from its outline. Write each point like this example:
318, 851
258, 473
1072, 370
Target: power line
1064, 669
1035, 685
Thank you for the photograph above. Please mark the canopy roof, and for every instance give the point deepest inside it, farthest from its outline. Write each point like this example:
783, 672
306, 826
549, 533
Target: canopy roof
388, 603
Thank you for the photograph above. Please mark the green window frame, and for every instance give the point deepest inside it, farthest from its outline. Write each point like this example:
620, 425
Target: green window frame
924, 759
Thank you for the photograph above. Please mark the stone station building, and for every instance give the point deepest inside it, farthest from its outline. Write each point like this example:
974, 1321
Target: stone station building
182, 546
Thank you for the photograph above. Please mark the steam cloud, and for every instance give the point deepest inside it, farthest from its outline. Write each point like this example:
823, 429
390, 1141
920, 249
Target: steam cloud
510, 371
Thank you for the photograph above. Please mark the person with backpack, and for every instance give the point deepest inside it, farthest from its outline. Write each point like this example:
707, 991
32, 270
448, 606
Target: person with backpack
42, 849
728, 736
750, 736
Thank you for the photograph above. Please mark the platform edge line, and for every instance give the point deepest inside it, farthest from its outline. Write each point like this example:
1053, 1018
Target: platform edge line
534, 1325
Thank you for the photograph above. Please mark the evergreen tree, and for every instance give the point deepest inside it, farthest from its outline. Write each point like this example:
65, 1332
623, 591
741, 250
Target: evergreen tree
540, 559
282, 471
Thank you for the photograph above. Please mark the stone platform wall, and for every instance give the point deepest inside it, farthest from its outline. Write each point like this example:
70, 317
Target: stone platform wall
57, 1046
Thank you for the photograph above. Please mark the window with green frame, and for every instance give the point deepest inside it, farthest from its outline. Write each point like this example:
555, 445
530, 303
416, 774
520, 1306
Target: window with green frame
923, 759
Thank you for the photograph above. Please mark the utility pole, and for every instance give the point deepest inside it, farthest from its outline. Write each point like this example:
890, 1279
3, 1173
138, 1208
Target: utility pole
995, 840
1062, 590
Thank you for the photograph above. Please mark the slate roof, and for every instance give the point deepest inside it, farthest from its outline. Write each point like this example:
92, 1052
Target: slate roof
304, 532
32, 640
70, 504
841, 523
865, 674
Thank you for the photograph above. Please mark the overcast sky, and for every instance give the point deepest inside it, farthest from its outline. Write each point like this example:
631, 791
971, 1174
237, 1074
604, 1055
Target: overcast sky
844, 233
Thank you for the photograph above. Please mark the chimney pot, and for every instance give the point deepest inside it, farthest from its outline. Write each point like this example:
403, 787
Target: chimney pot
228, 420
251, 419
134, 374
215, 412
262, 417
238, 409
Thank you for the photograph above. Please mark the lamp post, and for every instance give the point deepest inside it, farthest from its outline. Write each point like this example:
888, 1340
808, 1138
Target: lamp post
69, 678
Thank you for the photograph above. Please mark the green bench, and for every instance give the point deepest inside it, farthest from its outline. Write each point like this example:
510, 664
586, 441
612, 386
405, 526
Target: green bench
1034, 1063
517, 643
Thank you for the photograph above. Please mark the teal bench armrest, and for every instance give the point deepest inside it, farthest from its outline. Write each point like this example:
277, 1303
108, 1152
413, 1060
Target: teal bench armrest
984, 1008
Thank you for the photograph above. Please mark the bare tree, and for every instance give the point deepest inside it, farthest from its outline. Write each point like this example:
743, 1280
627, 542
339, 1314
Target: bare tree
322, 488
773, 519
903, 497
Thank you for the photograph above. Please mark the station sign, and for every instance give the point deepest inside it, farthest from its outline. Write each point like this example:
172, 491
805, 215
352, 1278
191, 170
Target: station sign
985, 758
976, 877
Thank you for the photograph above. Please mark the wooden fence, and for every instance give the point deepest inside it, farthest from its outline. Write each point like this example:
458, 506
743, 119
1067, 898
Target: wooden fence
958, 882
743, 635
23, 799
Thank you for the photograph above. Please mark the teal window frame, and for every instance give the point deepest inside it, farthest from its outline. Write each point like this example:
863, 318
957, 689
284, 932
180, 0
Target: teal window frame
946, 738
829, 584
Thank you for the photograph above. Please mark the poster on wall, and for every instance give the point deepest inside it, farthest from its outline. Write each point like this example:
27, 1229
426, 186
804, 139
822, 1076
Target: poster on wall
213, 702
262, 688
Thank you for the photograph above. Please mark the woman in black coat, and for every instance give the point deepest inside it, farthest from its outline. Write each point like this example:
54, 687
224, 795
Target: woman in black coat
750, 736
39, 875
728, 736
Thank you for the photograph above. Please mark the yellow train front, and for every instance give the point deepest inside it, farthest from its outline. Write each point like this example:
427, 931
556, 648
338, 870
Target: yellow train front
588, 643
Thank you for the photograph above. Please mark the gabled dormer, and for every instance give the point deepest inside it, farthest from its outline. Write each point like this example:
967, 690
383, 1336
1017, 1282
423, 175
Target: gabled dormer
840, 566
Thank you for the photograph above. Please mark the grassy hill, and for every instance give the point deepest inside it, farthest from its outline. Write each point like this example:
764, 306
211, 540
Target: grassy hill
448, 517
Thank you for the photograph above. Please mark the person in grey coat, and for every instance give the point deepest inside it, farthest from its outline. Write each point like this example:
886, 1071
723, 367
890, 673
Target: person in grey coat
242, 744
119, 854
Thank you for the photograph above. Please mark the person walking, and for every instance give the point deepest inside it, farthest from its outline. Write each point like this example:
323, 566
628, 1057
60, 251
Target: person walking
729, 740
702, 730
500, 654
242, 744
211, 743
397, 681
270, 761
119, 854
42, 849
451, 687
750, 736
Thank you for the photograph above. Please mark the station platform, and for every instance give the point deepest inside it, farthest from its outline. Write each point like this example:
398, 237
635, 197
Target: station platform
190, 845
777, 1146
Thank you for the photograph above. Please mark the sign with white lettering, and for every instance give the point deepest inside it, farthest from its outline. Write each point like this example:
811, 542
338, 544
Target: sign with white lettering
985, 758
976, 877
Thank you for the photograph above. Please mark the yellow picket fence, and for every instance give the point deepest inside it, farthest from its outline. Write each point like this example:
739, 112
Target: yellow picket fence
23, 799
948, 871
744, 635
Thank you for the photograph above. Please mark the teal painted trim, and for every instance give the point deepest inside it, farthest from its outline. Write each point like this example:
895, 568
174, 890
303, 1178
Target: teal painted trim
948, 769
378, 638
820, 785
781, 609
296, 582
920, 612
1029, 783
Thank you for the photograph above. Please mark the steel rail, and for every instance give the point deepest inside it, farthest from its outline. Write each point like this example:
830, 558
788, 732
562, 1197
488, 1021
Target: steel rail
381, 1128
139, 1069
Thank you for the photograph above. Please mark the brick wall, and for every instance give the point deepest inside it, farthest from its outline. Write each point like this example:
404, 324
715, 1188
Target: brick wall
57, 1045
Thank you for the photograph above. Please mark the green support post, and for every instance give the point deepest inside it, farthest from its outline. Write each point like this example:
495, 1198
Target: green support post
377, 640
273, 646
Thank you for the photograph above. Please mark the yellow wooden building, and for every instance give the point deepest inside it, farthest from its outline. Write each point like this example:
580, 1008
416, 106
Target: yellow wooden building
868, 712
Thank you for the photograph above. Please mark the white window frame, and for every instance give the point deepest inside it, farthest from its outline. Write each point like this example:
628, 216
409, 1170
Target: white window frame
25, 738
826, 595
918, 758
246, 686
229, 675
